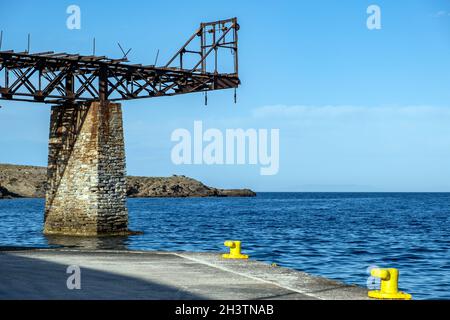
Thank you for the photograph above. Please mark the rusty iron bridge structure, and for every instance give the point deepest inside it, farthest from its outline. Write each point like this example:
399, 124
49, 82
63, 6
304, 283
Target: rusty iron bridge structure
57, 78
86, 179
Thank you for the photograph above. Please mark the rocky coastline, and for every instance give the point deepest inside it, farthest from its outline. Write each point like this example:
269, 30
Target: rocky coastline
17, 181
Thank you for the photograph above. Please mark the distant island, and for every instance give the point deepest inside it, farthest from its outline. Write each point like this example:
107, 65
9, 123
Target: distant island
18, 181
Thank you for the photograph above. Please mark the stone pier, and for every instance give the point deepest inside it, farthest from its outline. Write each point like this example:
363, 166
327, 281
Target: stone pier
86, 192
123, 274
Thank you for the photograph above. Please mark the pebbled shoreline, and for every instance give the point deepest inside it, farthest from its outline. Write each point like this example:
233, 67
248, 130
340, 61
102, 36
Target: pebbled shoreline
17, 181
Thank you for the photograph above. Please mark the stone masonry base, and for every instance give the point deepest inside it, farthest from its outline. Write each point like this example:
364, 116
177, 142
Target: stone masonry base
86, 193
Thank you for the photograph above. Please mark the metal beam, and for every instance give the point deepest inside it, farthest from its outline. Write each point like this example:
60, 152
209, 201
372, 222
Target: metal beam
50, 77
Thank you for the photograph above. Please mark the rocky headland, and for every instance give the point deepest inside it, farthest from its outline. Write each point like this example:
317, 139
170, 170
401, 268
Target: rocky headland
18, 181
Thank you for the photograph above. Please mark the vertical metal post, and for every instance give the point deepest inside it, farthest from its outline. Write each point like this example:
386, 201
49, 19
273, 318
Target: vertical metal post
181, 59
202, 46
236, 64
6, 78
103, 84
69, 87
215, 49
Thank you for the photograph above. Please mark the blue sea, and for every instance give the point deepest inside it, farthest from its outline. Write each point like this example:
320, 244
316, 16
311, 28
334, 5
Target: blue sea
336, 235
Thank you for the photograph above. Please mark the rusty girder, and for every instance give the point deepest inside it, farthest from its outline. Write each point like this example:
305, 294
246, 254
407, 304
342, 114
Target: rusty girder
59, 78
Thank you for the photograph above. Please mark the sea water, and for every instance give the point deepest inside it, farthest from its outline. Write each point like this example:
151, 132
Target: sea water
336, 235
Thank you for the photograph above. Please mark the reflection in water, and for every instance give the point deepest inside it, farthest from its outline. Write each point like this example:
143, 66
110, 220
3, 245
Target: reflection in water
91, 243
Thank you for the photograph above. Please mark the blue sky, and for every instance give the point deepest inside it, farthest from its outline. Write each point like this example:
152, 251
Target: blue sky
357, 109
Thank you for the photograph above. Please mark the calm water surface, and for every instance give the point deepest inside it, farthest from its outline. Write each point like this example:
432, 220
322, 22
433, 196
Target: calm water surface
337, 235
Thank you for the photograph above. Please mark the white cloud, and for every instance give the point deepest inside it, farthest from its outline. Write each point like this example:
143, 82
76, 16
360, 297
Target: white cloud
441, 13
393, 148
400, 130
343, 111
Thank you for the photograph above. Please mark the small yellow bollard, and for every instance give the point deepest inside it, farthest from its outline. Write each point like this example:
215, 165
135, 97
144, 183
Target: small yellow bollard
235, 250
389, 285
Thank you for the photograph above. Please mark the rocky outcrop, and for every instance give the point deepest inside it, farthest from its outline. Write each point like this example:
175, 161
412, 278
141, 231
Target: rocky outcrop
30, 182
236, 193
5, 194
177, 186
24, 181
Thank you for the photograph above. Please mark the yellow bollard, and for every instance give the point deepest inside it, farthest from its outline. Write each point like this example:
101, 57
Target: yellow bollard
389, 285
235, 250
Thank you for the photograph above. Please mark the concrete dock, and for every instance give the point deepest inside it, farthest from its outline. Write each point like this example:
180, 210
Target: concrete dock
42, 274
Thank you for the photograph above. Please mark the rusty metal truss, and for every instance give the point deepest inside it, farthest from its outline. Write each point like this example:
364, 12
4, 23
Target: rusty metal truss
59, 78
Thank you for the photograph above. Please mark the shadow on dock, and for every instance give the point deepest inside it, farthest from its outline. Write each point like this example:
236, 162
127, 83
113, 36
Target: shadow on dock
37, 279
